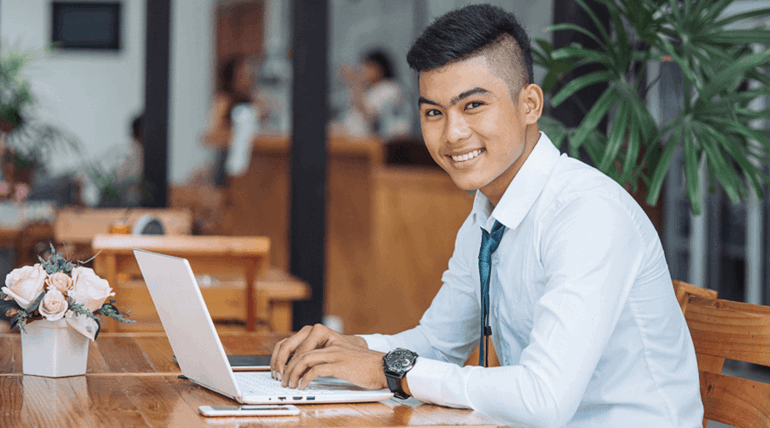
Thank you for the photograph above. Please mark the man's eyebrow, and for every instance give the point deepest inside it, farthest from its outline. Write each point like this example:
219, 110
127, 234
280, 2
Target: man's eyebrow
456, 99
423, 100
467, 94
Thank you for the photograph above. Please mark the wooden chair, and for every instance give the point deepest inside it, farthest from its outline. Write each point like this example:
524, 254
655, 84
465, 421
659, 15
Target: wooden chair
206, 203
684, 290
32, 241
739, 331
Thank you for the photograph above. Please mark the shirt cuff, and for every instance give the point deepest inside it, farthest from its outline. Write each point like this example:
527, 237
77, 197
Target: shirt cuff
376, 342
438, 382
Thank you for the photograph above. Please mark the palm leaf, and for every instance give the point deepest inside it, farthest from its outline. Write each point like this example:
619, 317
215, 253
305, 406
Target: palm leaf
594, 116
579, 29
581, 82
691, 173
616, 138
660, 168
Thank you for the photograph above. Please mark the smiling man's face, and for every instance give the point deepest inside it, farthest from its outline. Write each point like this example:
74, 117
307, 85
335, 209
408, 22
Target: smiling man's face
472, 126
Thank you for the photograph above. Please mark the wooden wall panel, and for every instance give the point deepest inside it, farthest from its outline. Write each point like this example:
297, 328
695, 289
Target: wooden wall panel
258, 204
417, 215
349, 239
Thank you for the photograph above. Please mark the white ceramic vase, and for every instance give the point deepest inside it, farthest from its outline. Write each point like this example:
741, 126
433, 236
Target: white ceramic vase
53, 349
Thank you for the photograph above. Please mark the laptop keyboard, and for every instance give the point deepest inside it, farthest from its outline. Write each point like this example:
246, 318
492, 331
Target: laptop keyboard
260, 383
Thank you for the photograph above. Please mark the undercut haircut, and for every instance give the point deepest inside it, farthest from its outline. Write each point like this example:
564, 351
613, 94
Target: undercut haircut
472, 31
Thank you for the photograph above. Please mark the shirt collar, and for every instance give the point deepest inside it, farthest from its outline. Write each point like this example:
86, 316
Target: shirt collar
523, 191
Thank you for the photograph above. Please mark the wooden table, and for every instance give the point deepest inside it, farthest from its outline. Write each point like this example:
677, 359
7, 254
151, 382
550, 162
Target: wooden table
131, 381
214, 255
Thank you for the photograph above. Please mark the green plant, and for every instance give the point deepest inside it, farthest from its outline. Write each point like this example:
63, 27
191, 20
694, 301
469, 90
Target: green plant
722, 76
14, 90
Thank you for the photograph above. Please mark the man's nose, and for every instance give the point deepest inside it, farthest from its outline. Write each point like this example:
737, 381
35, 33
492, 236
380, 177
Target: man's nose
456, 128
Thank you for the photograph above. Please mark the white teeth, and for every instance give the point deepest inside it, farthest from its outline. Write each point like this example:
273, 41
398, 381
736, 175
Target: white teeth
467, 156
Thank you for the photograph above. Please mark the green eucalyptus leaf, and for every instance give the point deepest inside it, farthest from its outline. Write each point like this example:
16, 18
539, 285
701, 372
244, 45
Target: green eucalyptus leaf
98, 327
8, 310
36, 303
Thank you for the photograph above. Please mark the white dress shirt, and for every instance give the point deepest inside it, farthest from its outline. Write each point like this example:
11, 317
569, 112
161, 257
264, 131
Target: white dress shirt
583, 313
245, 127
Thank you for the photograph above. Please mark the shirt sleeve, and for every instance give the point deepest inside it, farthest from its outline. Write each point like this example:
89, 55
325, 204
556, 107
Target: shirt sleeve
592, 252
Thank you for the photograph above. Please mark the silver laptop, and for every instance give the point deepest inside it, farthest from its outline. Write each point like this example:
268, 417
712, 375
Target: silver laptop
199, 351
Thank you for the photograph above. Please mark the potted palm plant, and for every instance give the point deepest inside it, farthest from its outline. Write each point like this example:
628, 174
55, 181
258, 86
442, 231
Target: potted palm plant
25, 141
15, 94
15, 97
722, 76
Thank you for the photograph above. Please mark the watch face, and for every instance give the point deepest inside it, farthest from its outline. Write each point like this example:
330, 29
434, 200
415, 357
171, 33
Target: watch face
400, 360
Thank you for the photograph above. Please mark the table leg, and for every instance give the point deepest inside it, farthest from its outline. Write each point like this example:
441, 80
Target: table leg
251, 288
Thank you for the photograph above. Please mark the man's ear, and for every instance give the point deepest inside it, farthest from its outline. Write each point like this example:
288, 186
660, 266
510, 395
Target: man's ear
531, 98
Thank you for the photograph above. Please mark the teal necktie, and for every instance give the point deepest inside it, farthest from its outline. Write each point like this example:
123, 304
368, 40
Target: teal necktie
489, 243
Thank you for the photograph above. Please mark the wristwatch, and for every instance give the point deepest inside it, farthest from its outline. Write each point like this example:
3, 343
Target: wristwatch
397, 363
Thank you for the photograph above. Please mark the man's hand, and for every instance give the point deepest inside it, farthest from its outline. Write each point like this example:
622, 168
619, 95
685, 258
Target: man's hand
319, 351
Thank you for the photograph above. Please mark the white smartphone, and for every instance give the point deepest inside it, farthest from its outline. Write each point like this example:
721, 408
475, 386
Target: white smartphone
248, 410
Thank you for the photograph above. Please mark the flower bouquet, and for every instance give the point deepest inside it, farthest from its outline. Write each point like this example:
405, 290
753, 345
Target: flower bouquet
55, 304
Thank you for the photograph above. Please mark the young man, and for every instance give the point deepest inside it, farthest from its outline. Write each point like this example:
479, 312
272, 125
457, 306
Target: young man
581, 308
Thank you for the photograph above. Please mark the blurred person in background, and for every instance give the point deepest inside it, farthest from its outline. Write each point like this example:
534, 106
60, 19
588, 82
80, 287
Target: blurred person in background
375, 99
234, 119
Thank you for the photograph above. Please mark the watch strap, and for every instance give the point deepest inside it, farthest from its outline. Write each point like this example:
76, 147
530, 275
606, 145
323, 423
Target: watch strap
394, 384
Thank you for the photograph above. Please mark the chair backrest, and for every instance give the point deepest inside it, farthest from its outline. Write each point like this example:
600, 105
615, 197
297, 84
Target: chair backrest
738, 331
79, 226
684, 290
207, 204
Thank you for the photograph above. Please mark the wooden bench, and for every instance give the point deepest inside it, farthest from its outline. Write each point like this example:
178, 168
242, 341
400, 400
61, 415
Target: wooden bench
219, 256
276, 291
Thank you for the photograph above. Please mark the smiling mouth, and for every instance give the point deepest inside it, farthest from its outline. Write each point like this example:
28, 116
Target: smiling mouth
467, 156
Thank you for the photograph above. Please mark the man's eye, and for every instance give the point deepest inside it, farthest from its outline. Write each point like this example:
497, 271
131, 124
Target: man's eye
432, 113
473, 104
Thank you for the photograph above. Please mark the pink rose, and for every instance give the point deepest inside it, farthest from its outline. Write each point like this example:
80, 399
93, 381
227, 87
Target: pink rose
22, 191
54, 305
25, 284
89, 290
60, 281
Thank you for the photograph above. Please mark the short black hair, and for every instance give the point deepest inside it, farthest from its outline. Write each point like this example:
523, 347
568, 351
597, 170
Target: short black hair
227, 73
462, 33
382, 59
136, 127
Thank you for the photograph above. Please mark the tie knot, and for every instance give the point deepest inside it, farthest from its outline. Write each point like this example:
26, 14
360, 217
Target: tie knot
490, 241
